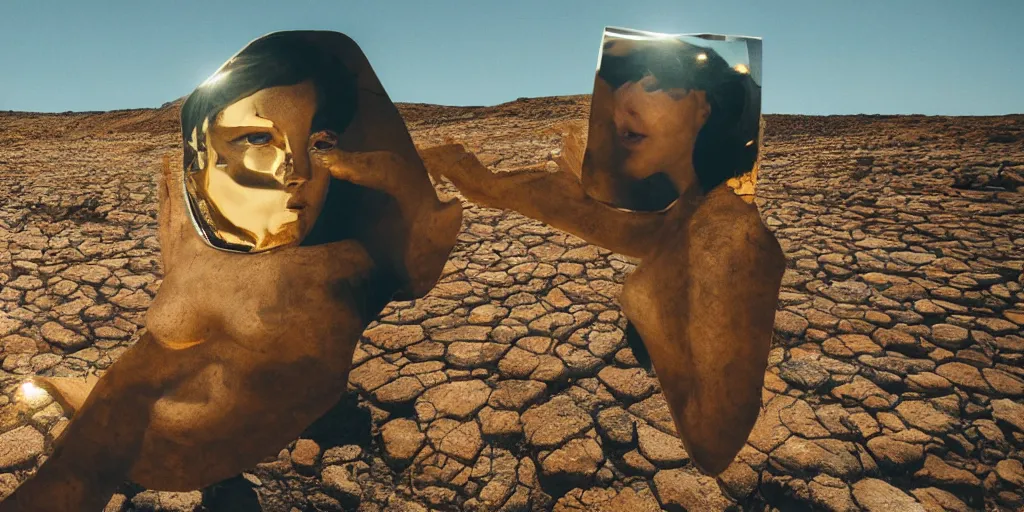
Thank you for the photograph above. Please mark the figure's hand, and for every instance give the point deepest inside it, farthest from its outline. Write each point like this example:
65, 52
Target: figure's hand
474, 180
378, 170
178, 239
570, 158
419, 252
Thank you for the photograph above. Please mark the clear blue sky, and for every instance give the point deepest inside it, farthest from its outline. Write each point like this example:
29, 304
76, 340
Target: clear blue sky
950, 57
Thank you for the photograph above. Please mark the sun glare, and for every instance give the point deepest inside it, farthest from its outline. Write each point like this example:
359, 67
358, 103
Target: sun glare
217, 77
31, 392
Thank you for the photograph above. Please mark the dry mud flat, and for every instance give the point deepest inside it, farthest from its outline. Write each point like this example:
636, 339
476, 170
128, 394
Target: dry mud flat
896, 378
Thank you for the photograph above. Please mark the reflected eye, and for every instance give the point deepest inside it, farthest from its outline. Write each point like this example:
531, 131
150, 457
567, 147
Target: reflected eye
257, 139
323, 141
323, 145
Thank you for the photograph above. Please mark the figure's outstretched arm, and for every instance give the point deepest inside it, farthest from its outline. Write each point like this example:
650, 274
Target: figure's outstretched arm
102, 441
555, 198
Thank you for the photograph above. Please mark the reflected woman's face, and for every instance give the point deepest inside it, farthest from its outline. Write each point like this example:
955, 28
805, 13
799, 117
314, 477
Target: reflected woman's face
656, 129
259, 188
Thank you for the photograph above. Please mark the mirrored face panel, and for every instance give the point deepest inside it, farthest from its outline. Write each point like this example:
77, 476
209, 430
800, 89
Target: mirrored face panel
250, 133
671, 112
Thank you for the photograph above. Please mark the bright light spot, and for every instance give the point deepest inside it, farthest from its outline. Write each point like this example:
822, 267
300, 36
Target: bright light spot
750, 143
217, 77
742, 68
32, 392
702, 57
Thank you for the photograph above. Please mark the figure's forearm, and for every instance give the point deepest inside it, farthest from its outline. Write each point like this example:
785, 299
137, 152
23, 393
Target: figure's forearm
558, 199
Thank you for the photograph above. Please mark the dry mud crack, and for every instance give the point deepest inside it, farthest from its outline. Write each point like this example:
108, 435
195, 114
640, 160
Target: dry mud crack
895, 382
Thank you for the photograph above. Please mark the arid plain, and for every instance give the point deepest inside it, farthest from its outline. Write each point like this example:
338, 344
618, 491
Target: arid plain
896, 378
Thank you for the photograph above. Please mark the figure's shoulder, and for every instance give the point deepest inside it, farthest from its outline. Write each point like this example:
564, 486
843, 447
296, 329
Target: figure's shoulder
727, 223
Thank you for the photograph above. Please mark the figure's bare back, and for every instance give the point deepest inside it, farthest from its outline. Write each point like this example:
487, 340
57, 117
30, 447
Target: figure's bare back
704, 304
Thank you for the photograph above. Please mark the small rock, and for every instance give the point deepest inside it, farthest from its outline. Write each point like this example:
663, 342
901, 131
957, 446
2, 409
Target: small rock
494, 422
924, 416
1010, 412
803, 374
459, 399
341, 483
578, 460
660, 448
948, 336
402, 439
487, 314
516, 394
8, 483
1011, 471
552, 423
818, 456
464, 442
831, 494
937, 471
678, 489
62, 336
790, 323
394, 337
342, 454
616, 426
895, 454
939, 500
875, 495
20, 446
633, 383
305, 453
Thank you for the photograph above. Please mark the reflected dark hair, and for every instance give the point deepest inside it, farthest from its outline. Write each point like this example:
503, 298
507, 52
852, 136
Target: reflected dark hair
279, 59
727, 146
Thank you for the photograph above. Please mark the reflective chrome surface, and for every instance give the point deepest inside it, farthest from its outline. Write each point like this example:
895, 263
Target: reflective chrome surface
670, 111
251, 185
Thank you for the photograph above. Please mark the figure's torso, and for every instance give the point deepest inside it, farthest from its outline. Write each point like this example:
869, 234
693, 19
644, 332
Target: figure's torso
269, 346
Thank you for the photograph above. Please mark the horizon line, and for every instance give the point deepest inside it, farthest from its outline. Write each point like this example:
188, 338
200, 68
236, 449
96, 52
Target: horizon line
170, 103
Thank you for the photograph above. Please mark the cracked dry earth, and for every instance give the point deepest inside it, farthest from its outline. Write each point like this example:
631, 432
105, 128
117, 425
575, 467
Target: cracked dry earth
895, 381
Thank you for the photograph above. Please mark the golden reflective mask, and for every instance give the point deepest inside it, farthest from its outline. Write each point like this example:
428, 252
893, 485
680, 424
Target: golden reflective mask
670, 111
252, 185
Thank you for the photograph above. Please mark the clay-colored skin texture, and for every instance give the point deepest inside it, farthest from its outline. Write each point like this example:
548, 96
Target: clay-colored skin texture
243, 351
556, 198
704, 304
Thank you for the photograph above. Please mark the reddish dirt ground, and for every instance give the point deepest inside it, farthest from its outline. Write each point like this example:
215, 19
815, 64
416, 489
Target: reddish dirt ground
895, 381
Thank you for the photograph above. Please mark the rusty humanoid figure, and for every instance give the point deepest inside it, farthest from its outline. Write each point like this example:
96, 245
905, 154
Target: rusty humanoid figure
668, 177
302, 209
